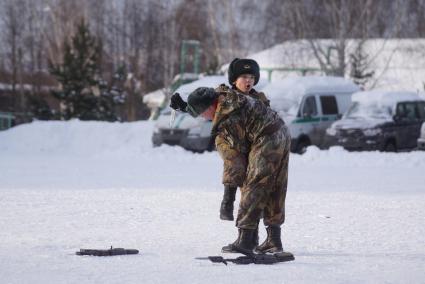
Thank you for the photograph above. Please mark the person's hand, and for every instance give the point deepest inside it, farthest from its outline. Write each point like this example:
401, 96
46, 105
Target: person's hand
177, 103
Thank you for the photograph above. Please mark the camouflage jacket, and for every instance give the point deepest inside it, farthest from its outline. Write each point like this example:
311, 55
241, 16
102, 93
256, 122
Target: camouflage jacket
240, 121
223, 89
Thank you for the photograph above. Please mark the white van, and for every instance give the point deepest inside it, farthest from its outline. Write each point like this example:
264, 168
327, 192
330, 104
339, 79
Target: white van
193, 134
309, 105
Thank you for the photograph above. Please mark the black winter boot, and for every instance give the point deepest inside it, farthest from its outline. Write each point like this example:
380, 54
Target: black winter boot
273, 243
246, 240
230, 247
226, 208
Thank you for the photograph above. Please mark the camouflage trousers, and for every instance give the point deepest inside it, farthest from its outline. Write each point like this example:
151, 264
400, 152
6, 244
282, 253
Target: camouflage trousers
264, 190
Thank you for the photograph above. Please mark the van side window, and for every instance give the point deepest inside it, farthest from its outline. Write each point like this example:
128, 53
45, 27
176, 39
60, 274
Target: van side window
410, 111
421, 110
310, 107
400, 112
329, 105
406, 111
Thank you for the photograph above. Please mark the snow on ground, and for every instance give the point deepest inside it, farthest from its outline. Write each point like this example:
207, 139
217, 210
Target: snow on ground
351, 217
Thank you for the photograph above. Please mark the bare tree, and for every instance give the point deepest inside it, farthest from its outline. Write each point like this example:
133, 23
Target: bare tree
13, 26
61, 18
13, 33
339, 21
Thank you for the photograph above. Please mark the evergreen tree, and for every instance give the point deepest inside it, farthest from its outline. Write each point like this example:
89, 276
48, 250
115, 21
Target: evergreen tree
359, 66
40, 109
83, 93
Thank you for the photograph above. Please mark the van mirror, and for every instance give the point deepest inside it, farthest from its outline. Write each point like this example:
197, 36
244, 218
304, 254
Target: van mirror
307, 114
396, 118
339, 116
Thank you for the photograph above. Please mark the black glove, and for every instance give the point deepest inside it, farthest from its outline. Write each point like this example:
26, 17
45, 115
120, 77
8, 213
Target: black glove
177, 103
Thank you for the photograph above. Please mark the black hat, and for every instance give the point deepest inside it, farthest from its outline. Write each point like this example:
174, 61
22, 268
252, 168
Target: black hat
243, 66
199, 100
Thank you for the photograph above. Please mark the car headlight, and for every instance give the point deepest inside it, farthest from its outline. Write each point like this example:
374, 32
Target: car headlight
331, 131
372, 131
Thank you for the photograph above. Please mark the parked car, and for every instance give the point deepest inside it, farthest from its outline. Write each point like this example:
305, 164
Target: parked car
380, 120
186, 131
309, 105
421, 139
193, 134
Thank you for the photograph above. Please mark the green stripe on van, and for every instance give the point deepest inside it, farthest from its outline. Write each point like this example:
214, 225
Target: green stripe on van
307, 119
315, 119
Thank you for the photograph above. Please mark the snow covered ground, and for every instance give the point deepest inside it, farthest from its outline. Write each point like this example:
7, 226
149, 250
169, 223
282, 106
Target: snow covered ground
351, 217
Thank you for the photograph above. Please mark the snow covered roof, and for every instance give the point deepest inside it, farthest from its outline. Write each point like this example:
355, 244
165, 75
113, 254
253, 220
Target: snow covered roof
295, 87
384, 98
155, 98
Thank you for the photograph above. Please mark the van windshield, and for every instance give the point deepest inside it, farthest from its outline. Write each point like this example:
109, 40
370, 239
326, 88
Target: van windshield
284, 105
166, 111
358, 110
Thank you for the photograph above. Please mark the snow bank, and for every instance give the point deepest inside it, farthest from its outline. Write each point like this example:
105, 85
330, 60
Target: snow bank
88, 138
338, 156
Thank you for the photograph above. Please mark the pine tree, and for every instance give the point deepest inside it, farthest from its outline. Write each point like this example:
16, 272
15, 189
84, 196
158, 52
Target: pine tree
83, 93
359, 66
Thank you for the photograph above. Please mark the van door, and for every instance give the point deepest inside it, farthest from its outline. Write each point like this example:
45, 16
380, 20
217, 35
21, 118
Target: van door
308, 120
329, 109
408, 124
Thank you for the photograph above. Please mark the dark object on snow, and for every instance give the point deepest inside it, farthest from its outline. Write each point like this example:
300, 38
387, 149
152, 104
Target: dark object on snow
107, 252
250, 257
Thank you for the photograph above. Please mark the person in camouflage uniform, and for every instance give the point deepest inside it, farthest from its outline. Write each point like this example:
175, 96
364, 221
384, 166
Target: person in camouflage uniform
254, 144
243, 75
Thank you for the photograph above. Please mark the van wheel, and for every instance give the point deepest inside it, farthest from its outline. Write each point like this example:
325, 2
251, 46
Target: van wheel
390, 147
302, 146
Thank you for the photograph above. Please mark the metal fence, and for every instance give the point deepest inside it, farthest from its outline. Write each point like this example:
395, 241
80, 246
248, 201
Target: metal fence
6, 120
